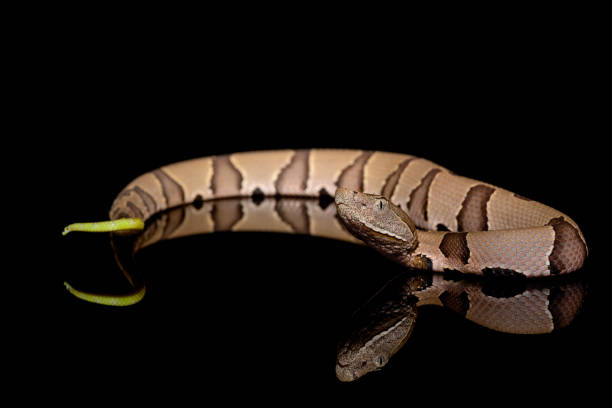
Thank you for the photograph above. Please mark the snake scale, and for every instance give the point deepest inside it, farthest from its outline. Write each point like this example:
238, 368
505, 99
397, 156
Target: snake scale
408, 208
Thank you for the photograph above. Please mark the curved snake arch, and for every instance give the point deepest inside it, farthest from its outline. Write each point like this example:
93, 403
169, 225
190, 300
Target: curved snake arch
410, 209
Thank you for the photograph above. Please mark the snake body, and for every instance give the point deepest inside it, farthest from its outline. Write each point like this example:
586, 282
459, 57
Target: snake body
459, 224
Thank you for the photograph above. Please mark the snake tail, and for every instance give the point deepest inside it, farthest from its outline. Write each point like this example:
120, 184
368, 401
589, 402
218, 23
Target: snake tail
121, 224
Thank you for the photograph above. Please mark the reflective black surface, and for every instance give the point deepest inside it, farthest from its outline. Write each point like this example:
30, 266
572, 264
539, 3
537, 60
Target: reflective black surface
258, 316
247, 320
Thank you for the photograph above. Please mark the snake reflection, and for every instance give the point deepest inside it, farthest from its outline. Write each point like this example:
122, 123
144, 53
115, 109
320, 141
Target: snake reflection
380, 328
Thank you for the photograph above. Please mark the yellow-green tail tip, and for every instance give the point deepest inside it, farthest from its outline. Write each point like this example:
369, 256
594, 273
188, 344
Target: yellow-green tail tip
127, 299
122, 224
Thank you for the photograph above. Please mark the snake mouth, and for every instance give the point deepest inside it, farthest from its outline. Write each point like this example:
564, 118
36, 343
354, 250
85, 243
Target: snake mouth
379, 231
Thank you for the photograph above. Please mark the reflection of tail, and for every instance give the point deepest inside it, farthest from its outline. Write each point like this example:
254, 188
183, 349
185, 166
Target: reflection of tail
314, 217
127, 299
124, 248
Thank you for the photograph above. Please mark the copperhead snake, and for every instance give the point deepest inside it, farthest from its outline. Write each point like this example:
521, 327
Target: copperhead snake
408, 208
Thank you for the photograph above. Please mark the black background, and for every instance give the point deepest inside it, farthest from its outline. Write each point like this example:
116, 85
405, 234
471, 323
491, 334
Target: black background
258, 315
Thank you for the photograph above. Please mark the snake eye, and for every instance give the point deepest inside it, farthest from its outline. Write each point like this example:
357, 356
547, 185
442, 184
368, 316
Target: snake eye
379, 361
380, 204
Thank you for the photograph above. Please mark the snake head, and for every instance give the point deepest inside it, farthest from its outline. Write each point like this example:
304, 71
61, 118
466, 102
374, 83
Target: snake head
376, 340
376, 221
380, 328
356, 366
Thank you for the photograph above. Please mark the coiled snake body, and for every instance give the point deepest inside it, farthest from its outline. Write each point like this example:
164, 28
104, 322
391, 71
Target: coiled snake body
408, 208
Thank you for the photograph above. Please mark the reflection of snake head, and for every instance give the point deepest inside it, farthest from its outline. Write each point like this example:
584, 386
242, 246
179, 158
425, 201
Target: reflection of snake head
357, 364
376, 221
383, 331
380, 327
356, 358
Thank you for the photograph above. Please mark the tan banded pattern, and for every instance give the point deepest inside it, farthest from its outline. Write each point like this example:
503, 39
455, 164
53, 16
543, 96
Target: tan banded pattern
194, 177
325, 168
522, 236
226, 179
352, 176
287, 215
382, 172
261, 174
292, 178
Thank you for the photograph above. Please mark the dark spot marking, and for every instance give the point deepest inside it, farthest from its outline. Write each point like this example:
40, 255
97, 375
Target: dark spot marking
198, 202
502, 273
569, 251
473, 213
458, 303
325, 199
257, 196
419, 196
454, 246
442, 227
453, 275
422, 262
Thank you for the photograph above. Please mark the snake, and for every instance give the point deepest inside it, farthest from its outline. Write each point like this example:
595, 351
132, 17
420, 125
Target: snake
411, 210
383, 325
